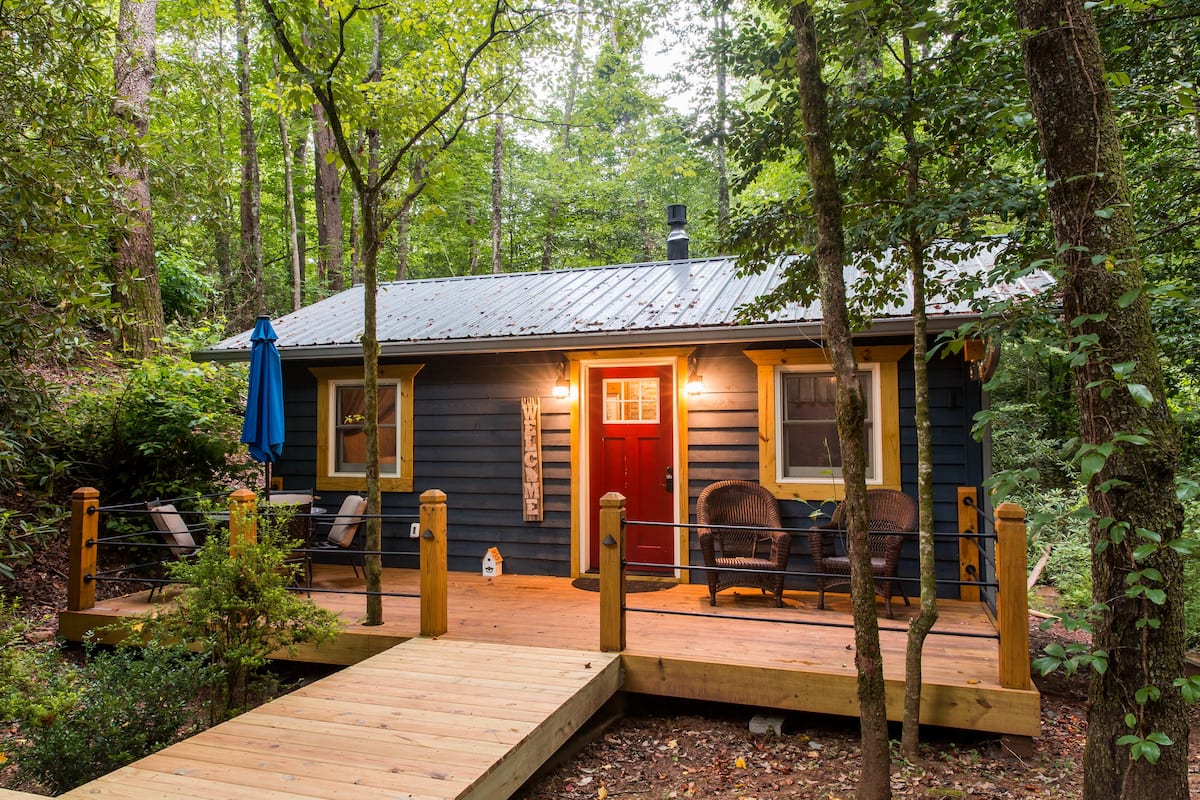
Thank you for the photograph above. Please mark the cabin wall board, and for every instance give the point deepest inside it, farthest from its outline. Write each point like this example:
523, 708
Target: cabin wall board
467, 442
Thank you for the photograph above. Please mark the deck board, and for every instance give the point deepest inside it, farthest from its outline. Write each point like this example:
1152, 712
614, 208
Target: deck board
371, 730
804, 665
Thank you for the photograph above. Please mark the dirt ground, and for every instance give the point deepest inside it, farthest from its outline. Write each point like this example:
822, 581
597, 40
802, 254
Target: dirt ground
664, 749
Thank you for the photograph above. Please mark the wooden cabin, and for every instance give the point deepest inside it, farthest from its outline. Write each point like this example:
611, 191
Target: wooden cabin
527, 396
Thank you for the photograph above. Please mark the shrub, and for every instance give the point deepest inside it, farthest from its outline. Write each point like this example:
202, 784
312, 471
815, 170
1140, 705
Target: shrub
187, 291
238, 610
165, 427
1055, 521
122, 705
78, 722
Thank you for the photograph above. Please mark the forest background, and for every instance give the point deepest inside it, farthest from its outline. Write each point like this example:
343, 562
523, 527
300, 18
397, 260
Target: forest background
561, 150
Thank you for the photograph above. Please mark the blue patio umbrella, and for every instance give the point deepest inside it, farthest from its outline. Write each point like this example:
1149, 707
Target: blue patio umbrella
262, 428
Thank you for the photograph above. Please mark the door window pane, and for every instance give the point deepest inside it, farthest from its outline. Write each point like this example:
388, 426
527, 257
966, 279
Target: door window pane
631, 400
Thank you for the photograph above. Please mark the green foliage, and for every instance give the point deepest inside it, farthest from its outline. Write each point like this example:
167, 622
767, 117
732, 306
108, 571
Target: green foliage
78, 722
121, 705
187, 292
1191, 574
164, 427
238, 610
1058, 520
55, 96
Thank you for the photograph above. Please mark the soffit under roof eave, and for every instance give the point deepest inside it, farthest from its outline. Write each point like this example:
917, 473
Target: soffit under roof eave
739, 334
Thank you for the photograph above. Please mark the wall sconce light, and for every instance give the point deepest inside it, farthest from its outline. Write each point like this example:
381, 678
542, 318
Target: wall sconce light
983, 356
562, 386
695, 381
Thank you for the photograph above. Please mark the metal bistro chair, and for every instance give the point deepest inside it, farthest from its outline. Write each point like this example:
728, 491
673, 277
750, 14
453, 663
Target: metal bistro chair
344, 528
299, 527
891, 513
740, 503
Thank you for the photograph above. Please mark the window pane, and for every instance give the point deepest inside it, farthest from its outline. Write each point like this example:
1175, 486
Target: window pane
631, 400
350, 441
809, 440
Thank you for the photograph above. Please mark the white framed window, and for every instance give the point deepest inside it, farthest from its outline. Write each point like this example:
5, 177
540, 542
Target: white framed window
799, 454
807, 414
349, 446
341, 438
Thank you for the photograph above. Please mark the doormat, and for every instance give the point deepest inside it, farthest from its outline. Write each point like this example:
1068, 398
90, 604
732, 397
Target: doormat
631, 587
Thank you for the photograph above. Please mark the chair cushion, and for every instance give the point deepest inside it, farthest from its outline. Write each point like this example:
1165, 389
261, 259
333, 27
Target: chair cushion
168, 522
349, 516
744, 563
841, 564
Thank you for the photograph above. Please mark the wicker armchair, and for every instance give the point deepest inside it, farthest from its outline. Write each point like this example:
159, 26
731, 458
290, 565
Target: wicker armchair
738, 503
890, 512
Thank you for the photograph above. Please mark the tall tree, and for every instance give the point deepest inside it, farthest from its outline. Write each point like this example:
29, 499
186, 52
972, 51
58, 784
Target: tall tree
250, 195
289, 197
1137, 743
429, 120
134, 270
721, 122
830, 257
498, 195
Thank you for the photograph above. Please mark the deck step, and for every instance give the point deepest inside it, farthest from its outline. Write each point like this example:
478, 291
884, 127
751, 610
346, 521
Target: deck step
434, 719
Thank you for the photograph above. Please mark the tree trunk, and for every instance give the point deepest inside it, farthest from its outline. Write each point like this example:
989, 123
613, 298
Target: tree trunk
328, 199
472, 240
919, 628
498, 195
251, 194
1119, 390
135, 289
402, 243
722, 121
565, 140
289, 198
874, 782
369, 207
299, 156
355, 245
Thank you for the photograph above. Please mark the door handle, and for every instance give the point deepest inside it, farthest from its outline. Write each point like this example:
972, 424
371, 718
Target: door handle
669, 480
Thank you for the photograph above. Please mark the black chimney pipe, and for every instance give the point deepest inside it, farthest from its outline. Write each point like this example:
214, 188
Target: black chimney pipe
677, 239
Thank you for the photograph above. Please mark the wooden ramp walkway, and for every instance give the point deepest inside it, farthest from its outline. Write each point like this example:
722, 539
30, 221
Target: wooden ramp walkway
428, 719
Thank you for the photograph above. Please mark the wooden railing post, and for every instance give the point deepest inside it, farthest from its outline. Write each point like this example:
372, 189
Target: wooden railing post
85, 528
1012, 599
612, 572
243, 520
968, 546
434, 617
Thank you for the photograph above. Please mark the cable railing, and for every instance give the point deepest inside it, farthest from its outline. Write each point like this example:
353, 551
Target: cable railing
183, 534
776, 573
1011, 608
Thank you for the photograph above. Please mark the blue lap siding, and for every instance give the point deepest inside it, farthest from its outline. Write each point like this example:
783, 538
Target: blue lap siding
467, 421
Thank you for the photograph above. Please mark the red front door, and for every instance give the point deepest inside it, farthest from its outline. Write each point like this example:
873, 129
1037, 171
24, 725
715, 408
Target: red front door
632, 449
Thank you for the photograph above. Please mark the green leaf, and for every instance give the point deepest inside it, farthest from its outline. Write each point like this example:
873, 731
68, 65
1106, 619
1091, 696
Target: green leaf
1144, 551
1126, 300
1141, 395
1090, 464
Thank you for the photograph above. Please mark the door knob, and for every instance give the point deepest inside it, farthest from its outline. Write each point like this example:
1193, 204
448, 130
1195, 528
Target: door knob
669, 480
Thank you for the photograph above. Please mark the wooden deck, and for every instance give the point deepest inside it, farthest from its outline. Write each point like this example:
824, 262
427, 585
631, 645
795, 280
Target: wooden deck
795, 658
427, 720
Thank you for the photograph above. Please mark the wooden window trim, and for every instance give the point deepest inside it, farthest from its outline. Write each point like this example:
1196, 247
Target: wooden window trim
402, 375
816, 491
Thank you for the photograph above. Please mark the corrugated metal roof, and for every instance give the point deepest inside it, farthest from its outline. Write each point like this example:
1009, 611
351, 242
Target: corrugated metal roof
690, 301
